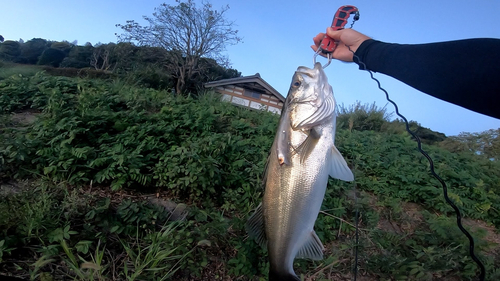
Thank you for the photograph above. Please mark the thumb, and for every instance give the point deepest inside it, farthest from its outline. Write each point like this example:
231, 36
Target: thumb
334, 34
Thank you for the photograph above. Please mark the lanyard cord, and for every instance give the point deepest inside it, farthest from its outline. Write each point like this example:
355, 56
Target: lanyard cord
355, 269
431, 163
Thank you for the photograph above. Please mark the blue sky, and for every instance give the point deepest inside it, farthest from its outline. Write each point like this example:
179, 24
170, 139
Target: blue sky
276, 39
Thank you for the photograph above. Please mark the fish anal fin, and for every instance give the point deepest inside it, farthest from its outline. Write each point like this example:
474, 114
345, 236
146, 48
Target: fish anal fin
255, 227
338, 166
312, 248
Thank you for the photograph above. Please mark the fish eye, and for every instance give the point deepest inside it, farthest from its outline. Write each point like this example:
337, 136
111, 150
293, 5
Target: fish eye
296, 84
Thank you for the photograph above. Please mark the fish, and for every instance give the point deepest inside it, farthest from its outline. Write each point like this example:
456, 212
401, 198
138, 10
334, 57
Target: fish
302, 157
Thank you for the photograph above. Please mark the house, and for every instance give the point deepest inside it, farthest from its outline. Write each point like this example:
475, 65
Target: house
249, 91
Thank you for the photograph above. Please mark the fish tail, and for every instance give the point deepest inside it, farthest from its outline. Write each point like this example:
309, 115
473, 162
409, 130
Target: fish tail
279, 276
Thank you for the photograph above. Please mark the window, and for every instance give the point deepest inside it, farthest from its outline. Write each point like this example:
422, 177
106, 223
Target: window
252, 94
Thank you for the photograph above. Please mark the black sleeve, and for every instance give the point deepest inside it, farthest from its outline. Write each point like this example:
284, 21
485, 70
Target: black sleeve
464, 72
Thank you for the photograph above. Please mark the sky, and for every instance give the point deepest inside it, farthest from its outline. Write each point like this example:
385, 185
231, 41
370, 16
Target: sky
277, 36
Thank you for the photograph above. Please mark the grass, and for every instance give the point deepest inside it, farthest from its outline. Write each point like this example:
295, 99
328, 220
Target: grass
62, 232
8, 69
49, 227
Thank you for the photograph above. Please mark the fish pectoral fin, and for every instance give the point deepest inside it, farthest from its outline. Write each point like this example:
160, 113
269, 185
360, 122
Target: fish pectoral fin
308, 145
339, 168
312, 249
255, 227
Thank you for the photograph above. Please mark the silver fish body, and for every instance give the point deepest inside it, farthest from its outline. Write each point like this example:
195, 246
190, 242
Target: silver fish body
302, 157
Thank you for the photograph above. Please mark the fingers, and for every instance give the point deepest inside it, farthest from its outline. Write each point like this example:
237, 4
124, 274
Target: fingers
315, 49
317, 39
348, 41
334, 34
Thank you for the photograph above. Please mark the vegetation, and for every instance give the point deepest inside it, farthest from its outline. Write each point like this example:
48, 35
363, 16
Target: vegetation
181, 49
187, 33
96, 167
108, 173
139, 65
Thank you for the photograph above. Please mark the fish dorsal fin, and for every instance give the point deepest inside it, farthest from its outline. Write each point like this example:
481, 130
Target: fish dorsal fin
255, 227
338, 166
312, 249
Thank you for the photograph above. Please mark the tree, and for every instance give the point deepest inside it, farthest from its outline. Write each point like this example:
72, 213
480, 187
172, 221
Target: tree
63, 46
1, 39
100, 59
10, 50
79, 56
32, 50
485, 143
125, 56
188, 33
362, 117
210, 71
52, 57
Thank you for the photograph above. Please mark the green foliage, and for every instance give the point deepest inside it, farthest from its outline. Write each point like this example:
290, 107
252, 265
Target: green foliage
10, 50
146, 66
198, 149
141, 242
64, 46
153, 256
485, 143
32, 49
362, 117
52, 57
433, 249
211, 155
33, 216
209, 71
175, 28
390, 165
78, 57
18, 92
9, 69
4, 249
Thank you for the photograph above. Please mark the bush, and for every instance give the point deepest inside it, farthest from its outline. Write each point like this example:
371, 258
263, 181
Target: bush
73, 63
52, 57
31, 50
19, 92
150, 76
64, 46
361, 117
10, 50
121, 136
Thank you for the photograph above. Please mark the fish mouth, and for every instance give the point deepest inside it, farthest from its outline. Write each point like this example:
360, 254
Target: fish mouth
311, 72
306, 72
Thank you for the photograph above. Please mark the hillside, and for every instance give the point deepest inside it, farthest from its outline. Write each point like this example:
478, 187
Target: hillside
103, 180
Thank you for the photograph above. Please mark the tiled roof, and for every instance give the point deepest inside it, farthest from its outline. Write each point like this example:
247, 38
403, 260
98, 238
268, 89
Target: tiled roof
253, 82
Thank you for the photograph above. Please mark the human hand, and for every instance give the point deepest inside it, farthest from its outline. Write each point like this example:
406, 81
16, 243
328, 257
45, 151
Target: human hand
344, 38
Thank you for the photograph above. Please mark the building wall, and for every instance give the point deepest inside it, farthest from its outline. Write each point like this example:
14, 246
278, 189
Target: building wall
237, 96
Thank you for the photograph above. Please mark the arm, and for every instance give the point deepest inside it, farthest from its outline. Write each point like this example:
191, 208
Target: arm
464, 72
